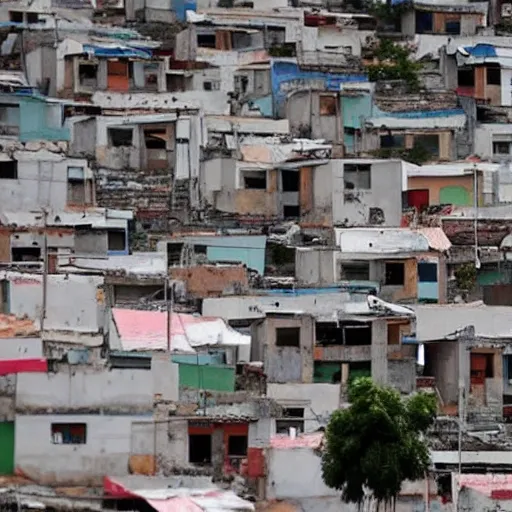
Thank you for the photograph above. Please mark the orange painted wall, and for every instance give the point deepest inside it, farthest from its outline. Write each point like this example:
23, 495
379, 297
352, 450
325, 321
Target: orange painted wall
435, 183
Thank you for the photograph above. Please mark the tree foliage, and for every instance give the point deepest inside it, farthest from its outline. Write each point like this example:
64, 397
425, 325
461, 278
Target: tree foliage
377, 443
394, 64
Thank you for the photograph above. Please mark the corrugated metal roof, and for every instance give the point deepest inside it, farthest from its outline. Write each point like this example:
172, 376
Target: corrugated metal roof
147, 330
437, 240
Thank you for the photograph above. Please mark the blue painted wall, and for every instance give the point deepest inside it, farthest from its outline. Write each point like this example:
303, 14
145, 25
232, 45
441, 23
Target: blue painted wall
286, 77
249, 250
40, 120
180, 7
264, 104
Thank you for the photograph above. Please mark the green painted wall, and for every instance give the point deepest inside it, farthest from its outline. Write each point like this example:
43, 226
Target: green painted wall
324, 371
456, 195
489, 277
211, 377
7, 448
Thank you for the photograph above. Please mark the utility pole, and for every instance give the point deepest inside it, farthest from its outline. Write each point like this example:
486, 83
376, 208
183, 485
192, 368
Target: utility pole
45, 269
169, 297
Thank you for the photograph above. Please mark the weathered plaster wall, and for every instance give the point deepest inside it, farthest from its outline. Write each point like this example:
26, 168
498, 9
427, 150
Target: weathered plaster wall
285, 363
319, 401
282, 483
42, 181
106, 451
353, 208
75, 303
434, 184
128, 391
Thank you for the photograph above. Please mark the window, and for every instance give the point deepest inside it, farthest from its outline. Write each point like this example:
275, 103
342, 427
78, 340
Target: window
293, 417
327, 105
256, 180
452, 27
501, 148
395, 274
4, 297
466, 77
357, 333
120, 137
237, 446
290, 180
206, 40
493, 75
88, 74
355, 270
427, 272
9, 170
26, 254
291, 211
155, 139
357, 176
200, 448
79, 189
392, 141
428, 142
117, 240
200, 249
69, 433
207, 86
288, 336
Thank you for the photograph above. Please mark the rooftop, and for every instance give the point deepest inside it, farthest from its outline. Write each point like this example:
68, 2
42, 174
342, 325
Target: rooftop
137, 330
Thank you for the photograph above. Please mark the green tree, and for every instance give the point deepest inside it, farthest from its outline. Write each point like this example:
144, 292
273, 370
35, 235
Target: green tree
377, 443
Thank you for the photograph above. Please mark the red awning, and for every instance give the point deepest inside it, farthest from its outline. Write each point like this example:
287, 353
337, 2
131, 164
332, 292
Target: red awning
8, 366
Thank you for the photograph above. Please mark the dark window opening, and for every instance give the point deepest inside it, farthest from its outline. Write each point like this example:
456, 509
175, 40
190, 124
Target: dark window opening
200, 249
237, 446
509, 367
155, 139
9, 170
293, 417
174, 251
200, 448
291, 211
493, 75
501, 148
466, 77
427, 273
26, 254
327, 105
428, 142
16, 16
287, 336
255, 180
329, 333
395, 274
120, 137
356, 370
357, 176
176, 83
489, 367
69, 433
357, 333
207, 86
290, 180
116, 240
392, 141
88, 74
4, 304
444, 486
206, 40
355, 271
424, 22
452, 27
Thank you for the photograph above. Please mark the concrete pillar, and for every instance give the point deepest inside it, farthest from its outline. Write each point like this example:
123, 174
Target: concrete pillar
380, 351
218, 451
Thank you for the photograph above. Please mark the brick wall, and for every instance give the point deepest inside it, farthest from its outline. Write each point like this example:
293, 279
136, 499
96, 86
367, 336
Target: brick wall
211, 281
